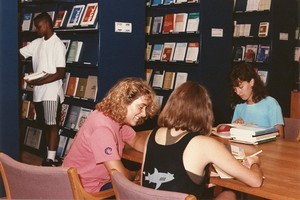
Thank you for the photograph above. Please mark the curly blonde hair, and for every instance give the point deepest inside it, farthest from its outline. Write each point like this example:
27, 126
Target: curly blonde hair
122, 94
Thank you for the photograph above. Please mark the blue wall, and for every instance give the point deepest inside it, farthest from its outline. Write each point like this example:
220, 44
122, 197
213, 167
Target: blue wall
9, 122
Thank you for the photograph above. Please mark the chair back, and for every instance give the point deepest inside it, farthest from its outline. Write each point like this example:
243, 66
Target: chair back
292, 129
125, 189
24, 181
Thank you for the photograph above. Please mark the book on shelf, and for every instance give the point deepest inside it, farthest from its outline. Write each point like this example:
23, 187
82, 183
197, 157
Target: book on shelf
36, 76
192, 52
33, 28
31, 112
52, 15
240, 5
27, 19
181, 77
148, 51
263, 76
63, 113
192, 1
180, 1
156, 51
180, 22
72, 86
252, 5
297, 54
168, 24
72, 117
246, 30
66, 43
33, 137
193, 22
83, 114
75, 16
263, 53
82, 82
238, 53
264, 5
60, 18
25, 109
156, 2
168, 2
148, 25
66, 81
90, 15
168, 51
263, 29
61, 145
250, 52
148, 72
157, 24
168, 82
91, 88
74, 51
158, 78
68, 146
180, 51
159, 99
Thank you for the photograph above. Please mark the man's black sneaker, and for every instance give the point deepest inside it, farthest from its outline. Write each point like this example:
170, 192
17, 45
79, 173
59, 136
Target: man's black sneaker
58, 161
48, 163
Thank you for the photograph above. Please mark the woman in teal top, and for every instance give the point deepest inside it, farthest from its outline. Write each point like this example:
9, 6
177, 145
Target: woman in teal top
251, 101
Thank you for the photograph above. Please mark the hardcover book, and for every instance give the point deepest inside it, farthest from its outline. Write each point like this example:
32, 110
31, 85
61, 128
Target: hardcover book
181, 77
158, 78
63, 113
193, 22
27, 18
74, 52
264, 5
168, 50
72, 117
168, 82
81, 87
192, 52
83, 114
66, 81
250, 52
72, 86
90, 15
263, 29
263, 53
75, 15
180, 22
252, 5
180, 51
36, 76
60, 18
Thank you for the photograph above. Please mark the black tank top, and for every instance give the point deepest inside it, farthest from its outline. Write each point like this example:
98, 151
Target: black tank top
164, 169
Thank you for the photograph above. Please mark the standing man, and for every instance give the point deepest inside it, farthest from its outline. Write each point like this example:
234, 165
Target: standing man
48, 54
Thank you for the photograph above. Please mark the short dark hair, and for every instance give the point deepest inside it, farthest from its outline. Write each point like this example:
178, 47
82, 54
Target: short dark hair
43, 16
189, 107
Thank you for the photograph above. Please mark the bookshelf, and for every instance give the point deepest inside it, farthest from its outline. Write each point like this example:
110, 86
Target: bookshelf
279, 65
104, 53
212, 52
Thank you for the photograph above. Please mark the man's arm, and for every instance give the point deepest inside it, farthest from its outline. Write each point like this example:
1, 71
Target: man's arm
60, 74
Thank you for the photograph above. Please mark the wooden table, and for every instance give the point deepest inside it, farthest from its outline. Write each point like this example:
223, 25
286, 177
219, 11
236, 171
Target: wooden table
280, 163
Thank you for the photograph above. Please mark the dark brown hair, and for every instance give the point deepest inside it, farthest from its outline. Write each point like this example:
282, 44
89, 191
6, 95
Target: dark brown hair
245, 72
188, 108
122, 94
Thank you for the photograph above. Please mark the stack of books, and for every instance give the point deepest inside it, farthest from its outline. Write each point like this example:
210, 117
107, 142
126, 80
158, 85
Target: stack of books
251, 134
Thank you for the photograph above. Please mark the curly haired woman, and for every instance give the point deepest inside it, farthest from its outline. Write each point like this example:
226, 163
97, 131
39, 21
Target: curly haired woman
100, 141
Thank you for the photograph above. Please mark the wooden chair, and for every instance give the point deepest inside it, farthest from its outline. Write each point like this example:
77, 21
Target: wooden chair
125, 189
292, 129
23, 181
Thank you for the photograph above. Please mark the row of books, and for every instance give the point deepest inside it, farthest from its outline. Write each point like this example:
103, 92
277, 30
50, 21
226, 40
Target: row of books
246, 133
173, 52
252, 5
83, 15
80, 87
166, 80
168, 2
173, 23
243, 30
73, 117
251, 53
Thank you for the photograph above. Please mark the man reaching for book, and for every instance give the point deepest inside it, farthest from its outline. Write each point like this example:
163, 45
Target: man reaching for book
252, 104
48, 54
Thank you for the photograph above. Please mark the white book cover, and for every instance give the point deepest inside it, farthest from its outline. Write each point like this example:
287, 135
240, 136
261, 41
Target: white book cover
180, 22
90, 14
252, 5
181, 77
156, 51
180, 51
75, 16
158, 79
264, 5
192, 52
193, 22
27, 18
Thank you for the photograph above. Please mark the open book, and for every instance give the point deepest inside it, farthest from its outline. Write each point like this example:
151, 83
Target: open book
36, 76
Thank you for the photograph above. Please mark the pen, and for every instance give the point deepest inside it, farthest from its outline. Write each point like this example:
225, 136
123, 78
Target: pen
255, 154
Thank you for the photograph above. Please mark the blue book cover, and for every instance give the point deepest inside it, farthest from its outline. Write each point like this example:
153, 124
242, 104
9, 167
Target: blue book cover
156, 2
